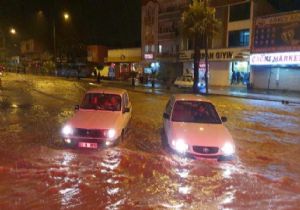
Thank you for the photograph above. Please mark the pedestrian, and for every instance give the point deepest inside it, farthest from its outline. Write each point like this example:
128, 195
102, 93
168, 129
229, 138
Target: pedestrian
233, 77
238, 77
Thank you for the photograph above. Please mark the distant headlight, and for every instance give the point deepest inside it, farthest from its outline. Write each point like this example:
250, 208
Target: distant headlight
228, 149
67, 130
110, 133
180, 146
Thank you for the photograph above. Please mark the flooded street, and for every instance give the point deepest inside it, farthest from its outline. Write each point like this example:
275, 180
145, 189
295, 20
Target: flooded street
37, 173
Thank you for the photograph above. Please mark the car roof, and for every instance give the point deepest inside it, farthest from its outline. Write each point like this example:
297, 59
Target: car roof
117, 91
190, 97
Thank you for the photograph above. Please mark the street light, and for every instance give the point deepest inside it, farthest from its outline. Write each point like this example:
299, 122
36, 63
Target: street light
66, 17
12, 31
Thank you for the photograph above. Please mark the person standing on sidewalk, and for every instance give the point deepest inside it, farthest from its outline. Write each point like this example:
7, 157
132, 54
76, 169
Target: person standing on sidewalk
98, 73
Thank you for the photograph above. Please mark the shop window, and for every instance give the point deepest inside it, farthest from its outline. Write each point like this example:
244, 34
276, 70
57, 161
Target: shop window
146, 48
153, 48
240, 12
240, 73
160, 48
239, 38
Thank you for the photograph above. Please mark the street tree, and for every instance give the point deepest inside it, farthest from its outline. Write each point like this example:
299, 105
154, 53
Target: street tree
198, 24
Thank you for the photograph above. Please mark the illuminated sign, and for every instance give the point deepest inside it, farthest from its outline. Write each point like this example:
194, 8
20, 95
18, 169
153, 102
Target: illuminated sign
148, 56
276, 33
288, 58
217, 54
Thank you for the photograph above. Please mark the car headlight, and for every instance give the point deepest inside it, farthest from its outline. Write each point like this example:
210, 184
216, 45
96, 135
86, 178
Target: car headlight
67, 130
110, 133
228, 149
180, 146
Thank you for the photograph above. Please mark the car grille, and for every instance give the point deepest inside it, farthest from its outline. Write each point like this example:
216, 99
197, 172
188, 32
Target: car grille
205, 150
88, 133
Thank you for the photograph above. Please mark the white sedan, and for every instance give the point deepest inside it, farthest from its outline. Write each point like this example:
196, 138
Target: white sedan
101, 119
193, 127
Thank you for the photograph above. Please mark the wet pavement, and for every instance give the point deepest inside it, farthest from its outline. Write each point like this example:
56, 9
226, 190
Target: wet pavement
35, 173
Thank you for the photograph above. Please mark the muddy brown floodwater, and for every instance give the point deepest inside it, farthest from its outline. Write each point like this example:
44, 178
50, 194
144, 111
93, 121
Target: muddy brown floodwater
139, 173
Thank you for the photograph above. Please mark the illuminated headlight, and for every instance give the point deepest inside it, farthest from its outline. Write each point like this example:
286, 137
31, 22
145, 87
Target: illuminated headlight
180, 146
110, 133
228, 149
68, 141
67, 130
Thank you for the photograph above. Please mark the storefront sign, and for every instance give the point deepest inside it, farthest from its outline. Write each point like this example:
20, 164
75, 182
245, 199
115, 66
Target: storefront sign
276, 33
213, 55
148, 56
288, 58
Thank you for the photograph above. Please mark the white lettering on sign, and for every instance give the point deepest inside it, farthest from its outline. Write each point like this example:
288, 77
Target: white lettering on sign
287, 58
148, 56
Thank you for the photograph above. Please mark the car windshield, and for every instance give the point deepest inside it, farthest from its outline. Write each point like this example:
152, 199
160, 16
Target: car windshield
195, 112
100, 101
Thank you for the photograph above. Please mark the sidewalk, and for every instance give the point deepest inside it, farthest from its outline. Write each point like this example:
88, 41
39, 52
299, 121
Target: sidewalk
239, 92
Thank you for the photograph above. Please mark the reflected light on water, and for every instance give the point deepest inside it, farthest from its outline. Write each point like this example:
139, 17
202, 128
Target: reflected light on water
111, 160
68, 157
228, 198
113, 191
184, 190
67, 195
183, 173
172, 206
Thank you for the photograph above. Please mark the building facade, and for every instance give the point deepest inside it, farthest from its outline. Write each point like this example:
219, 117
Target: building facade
160, 32
275, 52
229, 51
96, 53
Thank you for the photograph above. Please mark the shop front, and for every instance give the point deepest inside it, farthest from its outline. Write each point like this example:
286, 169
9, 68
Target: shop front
275, 52
276, 71
227, 67
123, 62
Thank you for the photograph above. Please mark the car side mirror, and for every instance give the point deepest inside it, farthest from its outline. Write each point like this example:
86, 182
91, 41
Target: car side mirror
76, 107
166, 116
126, 109
224, 119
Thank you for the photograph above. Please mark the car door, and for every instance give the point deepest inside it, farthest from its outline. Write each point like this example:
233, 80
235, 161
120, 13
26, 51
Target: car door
167, 117
126, 115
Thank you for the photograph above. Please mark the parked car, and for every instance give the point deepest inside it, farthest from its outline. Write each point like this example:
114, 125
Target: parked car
101, 119
193, 127
187, 81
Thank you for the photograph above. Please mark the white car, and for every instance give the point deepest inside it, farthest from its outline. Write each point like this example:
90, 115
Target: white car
193, 127
101, 119
184, 82
187, 82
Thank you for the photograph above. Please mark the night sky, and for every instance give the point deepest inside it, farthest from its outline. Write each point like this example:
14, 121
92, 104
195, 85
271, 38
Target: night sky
115, 23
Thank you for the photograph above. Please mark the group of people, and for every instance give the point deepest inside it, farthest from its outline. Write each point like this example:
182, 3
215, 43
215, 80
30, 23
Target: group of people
239, 77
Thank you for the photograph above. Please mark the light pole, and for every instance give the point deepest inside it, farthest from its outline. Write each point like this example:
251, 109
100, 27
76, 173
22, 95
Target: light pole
66, 17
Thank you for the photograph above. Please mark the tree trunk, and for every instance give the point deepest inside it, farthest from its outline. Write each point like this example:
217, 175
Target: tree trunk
206, 63
196, 64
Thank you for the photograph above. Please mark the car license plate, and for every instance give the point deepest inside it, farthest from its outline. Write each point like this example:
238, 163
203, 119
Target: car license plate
88, 145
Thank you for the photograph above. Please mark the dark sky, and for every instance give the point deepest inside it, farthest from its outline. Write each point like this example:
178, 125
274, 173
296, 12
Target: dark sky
115, 23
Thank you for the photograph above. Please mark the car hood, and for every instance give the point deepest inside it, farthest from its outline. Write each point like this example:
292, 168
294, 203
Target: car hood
209, 135
88, 119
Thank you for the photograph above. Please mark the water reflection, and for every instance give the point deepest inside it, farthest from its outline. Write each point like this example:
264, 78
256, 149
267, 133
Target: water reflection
111, 160
67, 158
184, 190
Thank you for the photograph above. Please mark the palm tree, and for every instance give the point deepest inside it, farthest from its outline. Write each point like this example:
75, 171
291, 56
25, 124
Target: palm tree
198, 23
